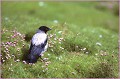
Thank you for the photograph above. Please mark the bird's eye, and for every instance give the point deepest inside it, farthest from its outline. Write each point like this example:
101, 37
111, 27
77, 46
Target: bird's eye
46, 28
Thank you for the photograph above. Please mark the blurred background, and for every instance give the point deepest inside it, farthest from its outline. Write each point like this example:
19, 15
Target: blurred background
83, 41
80, 14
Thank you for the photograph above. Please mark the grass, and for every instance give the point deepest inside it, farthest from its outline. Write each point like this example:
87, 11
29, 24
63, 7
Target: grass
83, 42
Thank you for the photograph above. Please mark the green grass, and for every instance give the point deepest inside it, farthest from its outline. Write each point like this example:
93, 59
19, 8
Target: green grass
87, 47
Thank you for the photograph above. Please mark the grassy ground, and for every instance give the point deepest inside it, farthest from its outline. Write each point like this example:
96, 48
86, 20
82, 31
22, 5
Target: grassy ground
83, 41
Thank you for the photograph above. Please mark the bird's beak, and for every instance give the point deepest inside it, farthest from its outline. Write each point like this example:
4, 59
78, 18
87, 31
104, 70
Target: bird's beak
50, 29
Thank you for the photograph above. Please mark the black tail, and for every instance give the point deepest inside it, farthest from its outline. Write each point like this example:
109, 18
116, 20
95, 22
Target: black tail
32, 58
34, 53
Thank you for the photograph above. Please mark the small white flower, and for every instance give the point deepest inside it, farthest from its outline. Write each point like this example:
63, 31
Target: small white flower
52, 50
17, 60
60, 39
56, 57
99, 44
48, 54
78, 33
55, 21
65, 23
87, 52
84, 48
59, 32
59, 58
3, 60
55, 68
46, 69
41, 4
51, 35
73, 73
45, 59
76, 46
42, 66
61, 48
24, 62
101, 54
43, 70
55, 38
96, 54
6, 57
13, 55
100, 36
59, 42
12, 70
6, 18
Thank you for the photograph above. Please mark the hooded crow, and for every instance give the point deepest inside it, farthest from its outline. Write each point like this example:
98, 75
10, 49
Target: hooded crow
38, 44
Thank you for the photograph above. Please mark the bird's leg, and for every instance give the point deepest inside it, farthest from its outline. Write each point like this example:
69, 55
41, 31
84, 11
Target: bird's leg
42, 59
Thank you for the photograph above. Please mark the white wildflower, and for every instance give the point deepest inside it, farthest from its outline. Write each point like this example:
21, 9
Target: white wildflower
51, 35
52, 50
24, 62
60, 39
73, 73
42, 66
55, 68
41, 4
100, 36
56, 57
12, 70
59, 58
59, 42
59, 32
45, 59
18, 60
6, 18
43, 70
84, 48
87, 52
55, 38
76, 46
99, 44
65, 23
46, 69
48, 54
55, 21
61, 48
96, 54
3, 60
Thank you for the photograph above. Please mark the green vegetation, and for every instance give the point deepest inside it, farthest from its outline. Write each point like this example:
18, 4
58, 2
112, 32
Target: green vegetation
83, 42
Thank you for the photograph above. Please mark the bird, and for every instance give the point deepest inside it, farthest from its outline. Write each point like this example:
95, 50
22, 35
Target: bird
38, 44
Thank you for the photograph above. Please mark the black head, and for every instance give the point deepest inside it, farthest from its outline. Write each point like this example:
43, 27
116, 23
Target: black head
44, 28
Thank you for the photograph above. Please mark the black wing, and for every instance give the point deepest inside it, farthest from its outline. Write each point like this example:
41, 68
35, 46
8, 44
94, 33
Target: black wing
35, 51
31, 45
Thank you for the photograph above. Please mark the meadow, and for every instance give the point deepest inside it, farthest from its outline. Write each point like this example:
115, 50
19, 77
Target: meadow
83, 42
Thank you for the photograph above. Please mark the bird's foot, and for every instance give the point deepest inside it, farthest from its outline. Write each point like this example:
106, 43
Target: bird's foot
44, 60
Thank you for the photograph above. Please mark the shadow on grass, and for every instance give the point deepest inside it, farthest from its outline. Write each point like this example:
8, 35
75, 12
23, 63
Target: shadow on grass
28, 36
102, 70
25, 52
